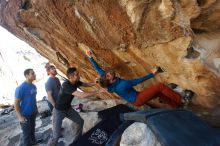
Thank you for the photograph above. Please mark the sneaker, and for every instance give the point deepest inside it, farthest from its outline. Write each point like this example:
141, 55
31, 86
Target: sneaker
172, 85
188, 94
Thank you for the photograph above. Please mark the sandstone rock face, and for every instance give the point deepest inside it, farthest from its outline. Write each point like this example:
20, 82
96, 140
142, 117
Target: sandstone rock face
131, 36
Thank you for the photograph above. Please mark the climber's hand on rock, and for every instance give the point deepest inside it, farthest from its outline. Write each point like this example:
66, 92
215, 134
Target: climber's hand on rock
156, 70
96, 80
89, 53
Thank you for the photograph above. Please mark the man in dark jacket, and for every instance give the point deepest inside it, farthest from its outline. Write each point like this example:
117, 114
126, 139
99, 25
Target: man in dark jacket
63, 106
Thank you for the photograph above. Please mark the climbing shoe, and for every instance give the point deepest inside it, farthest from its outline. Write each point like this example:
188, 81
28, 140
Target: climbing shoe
188, 94
187, 97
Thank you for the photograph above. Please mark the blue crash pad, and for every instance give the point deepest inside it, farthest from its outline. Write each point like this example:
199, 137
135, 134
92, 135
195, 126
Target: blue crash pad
176, 127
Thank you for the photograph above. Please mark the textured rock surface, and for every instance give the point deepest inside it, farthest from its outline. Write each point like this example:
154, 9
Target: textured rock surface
131, 36
143, 136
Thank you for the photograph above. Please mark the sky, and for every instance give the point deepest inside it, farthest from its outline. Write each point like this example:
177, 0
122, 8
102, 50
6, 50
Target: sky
16, 57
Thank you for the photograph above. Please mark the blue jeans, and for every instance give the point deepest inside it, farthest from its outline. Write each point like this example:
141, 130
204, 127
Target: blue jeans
28, 131
58, 117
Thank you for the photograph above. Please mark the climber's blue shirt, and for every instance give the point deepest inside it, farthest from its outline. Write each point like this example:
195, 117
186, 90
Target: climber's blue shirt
123, 88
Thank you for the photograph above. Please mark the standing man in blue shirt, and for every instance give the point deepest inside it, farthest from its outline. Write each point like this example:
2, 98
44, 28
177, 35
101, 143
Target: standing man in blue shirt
26, 107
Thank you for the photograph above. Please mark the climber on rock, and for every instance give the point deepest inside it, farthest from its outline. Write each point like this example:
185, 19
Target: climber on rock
124, 88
